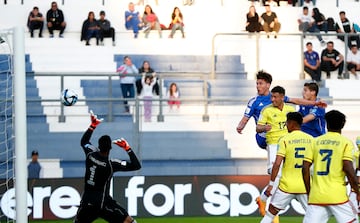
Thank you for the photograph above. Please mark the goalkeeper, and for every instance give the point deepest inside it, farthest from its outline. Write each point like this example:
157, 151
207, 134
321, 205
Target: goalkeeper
96, 201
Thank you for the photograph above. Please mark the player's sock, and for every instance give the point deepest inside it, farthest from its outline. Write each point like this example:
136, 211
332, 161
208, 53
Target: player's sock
268, 218
261, 204
276, 219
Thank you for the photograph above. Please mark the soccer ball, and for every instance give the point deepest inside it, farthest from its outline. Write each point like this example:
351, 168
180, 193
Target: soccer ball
69, 97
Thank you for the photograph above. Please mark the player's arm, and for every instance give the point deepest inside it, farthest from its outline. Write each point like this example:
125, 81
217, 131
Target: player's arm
242, 124
133, 164
350, 174
308, 118
306, 175
275, 170
301, 101
85, 139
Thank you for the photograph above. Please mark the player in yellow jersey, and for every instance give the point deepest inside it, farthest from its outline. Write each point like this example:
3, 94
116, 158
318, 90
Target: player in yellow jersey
331, 156
292, 149
352, 194
272, 121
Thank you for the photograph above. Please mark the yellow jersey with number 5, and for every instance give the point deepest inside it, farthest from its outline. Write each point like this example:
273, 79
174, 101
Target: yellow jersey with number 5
275, 117
327, 155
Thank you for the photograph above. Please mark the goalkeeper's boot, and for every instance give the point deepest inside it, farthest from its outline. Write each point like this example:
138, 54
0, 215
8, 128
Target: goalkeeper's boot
276, 219
261, 204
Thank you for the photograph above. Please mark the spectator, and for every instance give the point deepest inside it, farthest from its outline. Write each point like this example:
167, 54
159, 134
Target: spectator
133, 20
307, 23
90, 29
252, 21
353, 61
151, 21
331, 60
105, 29
270, 22
176, 22
148, 83
320, 20
148, 71
272, 3
188, 2
35, 21
307, 3
55, 20
141, 2
173, 95
312, 63
34, 166
127, 81
345, 26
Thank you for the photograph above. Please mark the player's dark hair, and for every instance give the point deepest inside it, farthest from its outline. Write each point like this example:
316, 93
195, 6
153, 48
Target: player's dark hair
335, 120
104, 143
278, 89
312, 87
296, 117
264, 76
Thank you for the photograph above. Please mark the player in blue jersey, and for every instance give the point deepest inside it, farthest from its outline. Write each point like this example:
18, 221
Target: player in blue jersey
256, 104
313, 116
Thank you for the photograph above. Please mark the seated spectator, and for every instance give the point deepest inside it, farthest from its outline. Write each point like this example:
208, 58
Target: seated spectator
105, 29
320, 20
55, 20
312, 63
345, 26
270, 22
151, 21
176, 22
252, 21
147, 70
173, 95
272, 3
35, 21
307, 3
331, 60
353, 61
307, 24
133, 20
90, 29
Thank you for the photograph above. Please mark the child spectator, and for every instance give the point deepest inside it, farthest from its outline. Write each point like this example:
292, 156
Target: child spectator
148, 71
147, 87
173, 95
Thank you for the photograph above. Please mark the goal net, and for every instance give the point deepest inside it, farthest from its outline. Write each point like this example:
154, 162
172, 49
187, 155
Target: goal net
6, 118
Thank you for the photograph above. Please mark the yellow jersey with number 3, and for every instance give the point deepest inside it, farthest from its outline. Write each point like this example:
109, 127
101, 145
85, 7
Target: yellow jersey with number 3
327, 155
293, 147
277, 119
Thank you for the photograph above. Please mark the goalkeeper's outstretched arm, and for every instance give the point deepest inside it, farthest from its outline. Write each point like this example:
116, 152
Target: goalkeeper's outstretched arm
133, 164
85, 139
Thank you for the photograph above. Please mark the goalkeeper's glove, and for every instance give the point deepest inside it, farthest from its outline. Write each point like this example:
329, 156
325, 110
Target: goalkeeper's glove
122, 143
94, 120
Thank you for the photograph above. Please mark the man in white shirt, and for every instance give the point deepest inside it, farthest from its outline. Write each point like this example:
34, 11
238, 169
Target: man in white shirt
307, 24
353, 60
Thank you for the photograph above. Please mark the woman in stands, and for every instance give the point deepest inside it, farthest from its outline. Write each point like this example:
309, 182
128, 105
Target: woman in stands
151, 21
148, 71
90, 28
252, 21
176, 22
173, 95
320, 20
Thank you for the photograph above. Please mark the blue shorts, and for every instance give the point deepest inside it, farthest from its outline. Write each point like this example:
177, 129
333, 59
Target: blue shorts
261, 140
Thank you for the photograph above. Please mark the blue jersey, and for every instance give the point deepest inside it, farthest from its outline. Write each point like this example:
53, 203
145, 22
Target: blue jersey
253, 109
312, 57
315, 127
256, 104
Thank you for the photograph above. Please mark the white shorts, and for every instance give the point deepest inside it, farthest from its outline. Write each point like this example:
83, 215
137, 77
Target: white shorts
353, 200
281, 199
272, 151
343, 213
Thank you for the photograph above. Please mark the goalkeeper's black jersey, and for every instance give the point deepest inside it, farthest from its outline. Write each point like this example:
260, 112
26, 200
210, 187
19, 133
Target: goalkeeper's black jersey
99, 171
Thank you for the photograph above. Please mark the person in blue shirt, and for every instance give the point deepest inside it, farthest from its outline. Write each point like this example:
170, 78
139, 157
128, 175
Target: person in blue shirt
312, 63
313, 116
34, 166
257, 103
133, 19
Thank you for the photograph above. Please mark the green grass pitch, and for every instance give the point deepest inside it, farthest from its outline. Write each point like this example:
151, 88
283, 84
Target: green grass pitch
197, 220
